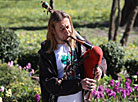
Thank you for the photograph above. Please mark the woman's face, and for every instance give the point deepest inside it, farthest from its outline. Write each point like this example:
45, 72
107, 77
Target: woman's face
62, 30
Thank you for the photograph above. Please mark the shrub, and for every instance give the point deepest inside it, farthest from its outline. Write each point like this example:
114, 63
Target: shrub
114, 54
9, 45
28, 56
23, 88
132, 66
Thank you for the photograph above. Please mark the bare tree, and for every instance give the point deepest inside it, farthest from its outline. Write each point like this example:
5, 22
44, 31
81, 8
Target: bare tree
127, 9
129, 16
114, 21
129, 25
118, 19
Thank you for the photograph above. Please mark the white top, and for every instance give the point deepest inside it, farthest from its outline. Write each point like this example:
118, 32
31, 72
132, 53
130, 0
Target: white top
62, 55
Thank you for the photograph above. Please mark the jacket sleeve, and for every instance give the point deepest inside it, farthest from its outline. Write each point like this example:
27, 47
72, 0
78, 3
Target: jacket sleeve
49, 80
103, 66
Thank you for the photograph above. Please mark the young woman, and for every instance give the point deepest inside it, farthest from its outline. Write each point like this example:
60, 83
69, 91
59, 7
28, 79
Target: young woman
58, 52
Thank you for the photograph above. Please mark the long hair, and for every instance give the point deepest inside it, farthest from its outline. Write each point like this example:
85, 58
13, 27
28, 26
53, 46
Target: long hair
55, 17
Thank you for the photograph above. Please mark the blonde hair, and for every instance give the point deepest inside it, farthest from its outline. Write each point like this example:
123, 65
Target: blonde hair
58, 16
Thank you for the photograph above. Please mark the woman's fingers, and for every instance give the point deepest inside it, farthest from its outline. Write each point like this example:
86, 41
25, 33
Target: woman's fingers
98, 74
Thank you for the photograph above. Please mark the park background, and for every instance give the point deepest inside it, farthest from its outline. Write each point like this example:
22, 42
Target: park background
23, 26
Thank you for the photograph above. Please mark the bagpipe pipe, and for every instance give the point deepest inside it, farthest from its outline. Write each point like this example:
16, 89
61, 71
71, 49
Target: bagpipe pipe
91, 59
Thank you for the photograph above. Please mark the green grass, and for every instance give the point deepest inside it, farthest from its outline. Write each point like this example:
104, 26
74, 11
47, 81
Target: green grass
29, 13
17, 13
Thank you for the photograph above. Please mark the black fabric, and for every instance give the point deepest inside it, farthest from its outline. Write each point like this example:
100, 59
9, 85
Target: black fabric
50, 88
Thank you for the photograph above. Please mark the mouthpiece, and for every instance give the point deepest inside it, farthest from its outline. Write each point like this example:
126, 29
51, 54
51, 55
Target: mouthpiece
87, 45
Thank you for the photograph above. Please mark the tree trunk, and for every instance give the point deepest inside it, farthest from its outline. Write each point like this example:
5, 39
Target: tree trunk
118, 19
52, 4
112, 20
129, 26
129, 6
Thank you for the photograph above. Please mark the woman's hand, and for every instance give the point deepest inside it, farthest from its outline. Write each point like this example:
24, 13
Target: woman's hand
88, 84
98, 73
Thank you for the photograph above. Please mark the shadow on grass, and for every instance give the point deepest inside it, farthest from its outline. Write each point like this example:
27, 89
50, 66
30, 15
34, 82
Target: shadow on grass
76, 25
28, 28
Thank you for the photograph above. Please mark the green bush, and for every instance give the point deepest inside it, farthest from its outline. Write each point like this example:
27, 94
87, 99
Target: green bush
9, 45
18, 80
28, 56
114, 54
132, 66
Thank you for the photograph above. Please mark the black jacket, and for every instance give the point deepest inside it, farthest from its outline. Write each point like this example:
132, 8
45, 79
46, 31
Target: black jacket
48, 74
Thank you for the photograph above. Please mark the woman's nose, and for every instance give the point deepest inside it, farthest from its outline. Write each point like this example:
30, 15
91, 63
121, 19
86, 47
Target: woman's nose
67, 31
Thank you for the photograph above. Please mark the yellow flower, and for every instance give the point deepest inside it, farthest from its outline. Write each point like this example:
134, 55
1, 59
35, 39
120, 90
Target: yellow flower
37, 90
8, 93
134, 46
21, 83
28, 42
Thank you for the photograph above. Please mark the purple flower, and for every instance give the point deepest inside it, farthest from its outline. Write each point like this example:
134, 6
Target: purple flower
116, 89
128, 80
10, 64
117, 84
101, 95
123, 93
114, 94
110, 93
30, 74
37, 98
137, 73
100, 89
111, 82
127, 84
136, 88
96, 94
130, 89
127, 92
121, 89
107, 90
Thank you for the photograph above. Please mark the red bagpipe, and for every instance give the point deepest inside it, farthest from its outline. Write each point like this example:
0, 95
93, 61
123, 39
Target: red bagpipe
91, 60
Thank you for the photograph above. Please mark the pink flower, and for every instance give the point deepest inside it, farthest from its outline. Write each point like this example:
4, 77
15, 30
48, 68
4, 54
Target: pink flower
32, 72
20, 67
10, 64
28, 66
24, 68
2, 89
